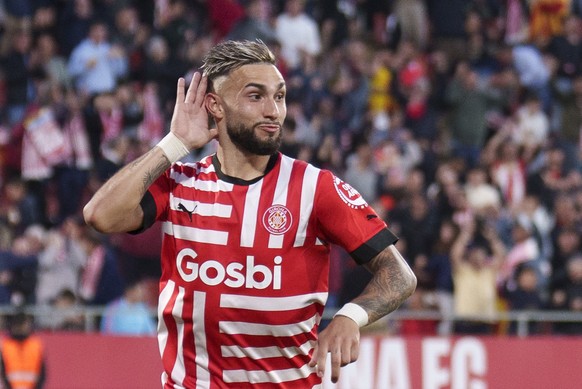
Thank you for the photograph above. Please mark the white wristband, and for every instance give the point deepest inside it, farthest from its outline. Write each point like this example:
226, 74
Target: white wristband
354, 312
173, 147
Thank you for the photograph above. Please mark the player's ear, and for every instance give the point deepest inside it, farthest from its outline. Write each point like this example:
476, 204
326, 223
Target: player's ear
214, 106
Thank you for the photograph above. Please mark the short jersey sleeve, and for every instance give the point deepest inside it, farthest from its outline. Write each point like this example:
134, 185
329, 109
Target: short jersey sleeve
155, 202
345, 218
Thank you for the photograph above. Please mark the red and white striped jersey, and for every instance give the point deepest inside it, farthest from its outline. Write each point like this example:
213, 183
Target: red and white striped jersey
245, 269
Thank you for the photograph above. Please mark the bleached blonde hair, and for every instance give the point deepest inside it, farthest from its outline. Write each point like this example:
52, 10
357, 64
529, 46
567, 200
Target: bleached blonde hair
230, 55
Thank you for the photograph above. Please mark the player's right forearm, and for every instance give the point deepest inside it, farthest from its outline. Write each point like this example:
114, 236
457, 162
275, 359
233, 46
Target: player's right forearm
115, 207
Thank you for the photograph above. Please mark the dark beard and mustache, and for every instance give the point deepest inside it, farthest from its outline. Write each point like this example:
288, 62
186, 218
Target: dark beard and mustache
247, 140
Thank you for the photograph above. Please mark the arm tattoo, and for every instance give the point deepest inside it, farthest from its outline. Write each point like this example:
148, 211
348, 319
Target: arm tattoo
392, 282
151, 175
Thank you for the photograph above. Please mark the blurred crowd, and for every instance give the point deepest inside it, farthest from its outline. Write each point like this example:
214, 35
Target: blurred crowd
459, 121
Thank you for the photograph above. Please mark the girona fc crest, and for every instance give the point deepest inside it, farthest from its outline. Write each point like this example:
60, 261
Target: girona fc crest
348, 194
277, 219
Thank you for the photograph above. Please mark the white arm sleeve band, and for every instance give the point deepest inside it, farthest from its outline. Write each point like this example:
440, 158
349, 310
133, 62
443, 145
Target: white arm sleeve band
354, 312
173, 147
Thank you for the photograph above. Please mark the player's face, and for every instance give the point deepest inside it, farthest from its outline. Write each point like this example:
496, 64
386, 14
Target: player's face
254, 106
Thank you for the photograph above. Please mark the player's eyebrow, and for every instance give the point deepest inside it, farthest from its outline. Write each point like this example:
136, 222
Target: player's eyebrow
262, 87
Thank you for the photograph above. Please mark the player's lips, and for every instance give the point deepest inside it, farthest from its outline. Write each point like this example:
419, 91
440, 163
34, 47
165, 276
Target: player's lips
270, 127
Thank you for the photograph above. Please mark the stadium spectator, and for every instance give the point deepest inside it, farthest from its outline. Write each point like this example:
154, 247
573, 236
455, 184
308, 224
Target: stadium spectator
46, 59
182, 25
532, 70
438, 266
129, 314
413, 21
532, 126
362, 173
95, 64
297, 32
18, 77
567, 243
18, 209
161, 69
525, 296
74, 23
18, 267
566, 48
469, 105
482, 196
553, 177
61, 261
100, 281
132, 35
543, 224
72, 174
22, 353
65, 313
567, 295
524, 250
447, 23
569, 120
417, 222
44, 19
475, 273
507, 168
255, 24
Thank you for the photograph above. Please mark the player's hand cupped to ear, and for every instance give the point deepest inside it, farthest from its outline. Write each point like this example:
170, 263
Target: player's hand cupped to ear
190, 118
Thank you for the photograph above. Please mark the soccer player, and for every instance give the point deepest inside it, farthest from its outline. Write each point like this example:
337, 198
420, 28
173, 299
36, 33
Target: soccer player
247, 233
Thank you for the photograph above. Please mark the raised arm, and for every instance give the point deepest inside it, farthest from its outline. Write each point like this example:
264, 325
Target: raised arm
461, 243
392, 282
115, 206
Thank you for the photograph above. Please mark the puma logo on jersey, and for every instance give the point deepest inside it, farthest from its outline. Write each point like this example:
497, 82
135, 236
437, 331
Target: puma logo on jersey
183, 208
235, 274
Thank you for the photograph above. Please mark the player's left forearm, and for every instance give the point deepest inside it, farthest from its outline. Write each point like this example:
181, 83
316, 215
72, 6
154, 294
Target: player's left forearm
393, 282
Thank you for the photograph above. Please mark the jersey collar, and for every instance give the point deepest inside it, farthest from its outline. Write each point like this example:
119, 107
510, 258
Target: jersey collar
238, 181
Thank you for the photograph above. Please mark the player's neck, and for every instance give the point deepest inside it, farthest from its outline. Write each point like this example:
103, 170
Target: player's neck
244, 166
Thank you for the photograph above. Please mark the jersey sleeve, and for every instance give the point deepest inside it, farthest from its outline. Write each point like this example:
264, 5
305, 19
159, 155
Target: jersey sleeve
155, 202
345, 218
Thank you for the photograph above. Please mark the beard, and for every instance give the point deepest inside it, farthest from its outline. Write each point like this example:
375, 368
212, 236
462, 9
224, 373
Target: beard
246, 139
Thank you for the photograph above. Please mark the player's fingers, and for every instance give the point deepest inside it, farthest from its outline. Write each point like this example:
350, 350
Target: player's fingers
180, 91
313, 361
201, 91
193, 88
318, 359
346, 356
354, 352
336, 363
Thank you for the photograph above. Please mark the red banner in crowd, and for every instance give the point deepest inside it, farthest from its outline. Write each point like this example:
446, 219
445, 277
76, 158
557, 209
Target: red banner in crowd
94, 361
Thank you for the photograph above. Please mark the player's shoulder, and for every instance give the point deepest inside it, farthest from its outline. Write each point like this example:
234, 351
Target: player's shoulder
316, 175
192, 169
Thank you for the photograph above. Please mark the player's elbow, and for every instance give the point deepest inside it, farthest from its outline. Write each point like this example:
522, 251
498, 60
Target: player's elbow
410, 284
94, 218
107, 218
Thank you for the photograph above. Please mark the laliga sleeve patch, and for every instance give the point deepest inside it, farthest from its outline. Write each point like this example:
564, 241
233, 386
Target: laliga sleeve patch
348, 194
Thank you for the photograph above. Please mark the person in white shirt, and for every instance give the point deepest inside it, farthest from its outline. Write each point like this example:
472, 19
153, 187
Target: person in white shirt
297, 32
